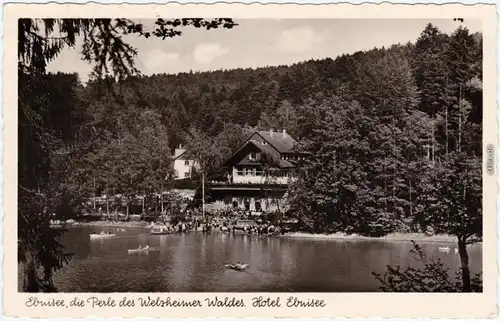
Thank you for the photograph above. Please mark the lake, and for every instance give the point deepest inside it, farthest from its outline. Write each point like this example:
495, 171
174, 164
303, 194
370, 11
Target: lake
194, 262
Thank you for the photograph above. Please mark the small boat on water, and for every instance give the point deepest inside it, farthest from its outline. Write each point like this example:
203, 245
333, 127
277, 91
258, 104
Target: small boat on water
101, 235
57, 224
238, 266
160, 233
141, 249
444, 249
161, 230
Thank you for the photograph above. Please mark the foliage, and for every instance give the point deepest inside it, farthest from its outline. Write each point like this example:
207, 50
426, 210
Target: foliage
357, 169
204, 150
432, 277
57, 133
38, 247
41, 40
452, 198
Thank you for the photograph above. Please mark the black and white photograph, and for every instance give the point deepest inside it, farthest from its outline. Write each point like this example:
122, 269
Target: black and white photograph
226, 154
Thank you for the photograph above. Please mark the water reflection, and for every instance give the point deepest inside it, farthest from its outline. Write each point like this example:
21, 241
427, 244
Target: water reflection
195, 262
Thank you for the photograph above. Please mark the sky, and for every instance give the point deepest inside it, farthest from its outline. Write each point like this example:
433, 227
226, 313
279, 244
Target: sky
259, 43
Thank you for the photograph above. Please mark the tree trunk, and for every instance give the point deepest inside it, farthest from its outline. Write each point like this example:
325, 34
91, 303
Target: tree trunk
446, 120
411, 203
30, 283
143, 199
459, 132
464, 260
203, 194
128, 208
385, 185
94, 195
460, 119
107, 201
161, 197
433, 153
394, 165
446, 126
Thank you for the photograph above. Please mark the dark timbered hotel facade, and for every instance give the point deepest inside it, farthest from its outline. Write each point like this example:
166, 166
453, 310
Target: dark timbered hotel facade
258, 173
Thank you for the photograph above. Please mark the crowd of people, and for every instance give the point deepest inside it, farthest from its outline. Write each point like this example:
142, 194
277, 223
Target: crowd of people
223, 220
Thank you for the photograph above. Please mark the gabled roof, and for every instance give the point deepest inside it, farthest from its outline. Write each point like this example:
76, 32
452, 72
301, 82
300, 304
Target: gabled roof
281, 141
263, 148
185, 155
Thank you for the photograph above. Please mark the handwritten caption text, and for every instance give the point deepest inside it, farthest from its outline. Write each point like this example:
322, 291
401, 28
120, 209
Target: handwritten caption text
169, 302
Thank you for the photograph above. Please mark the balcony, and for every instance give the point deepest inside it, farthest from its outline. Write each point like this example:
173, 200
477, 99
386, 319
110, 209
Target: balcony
249, 179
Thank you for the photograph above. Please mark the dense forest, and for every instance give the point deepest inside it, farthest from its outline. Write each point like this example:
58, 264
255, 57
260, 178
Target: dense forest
395, 133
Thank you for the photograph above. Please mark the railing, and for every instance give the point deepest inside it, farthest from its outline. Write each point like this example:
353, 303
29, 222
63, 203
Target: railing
257, 180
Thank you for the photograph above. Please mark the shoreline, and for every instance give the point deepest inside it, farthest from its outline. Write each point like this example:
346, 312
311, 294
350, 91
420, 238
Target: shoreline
112, 224
393, 237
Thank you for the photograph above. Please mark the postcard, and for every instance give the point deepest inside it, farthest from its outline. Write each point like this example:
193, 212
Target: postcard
237, 160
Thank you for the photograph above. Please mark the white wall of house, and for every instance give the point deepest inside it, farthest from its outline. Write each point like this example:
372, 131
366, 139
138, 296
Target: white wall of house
183, 168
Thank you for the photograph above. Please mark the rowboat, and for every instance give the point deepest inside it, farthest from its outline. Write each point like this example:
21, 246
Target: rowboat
160, 232
101, 236
147, 248
444, 249
237, 267
56, 224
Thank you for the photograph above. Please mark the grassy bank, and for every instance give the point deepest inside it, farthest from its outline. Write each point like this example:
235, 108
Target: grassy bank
400, 237
114, 224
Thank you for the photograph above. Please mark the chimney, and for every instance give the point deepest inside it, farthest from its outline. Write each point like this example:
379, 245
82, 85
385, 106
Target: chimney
284, 132
271, 131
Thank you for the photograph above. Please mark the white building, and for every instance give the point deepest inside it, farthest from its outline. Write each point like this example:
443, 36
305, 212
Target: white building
183, 163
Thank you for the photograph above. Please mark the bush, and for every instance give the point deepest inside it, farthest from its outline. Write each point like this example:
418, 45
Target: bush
433, 277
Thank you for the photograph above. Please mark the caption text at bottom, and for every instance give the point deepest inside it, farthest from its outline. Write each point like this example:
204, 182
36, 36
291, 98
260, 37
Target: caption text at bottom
168, 302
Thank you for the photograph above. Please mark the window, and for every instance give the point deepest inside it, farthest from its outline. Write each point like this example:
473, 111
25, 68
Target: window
240, 172
186, 163
186, 174
252, 156
258, 206
264, 142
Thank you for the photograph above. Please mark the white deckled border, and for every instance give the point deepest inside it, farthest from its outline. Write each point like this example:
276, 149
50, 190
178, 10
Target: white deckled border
404, 305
